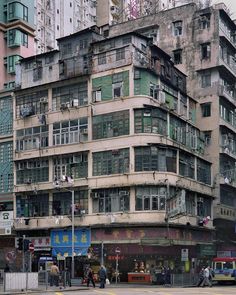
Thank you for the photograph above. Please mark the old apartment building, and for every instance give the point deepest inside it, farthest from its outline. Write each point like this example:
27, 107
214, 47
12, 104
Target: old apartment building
202, 45
102, 118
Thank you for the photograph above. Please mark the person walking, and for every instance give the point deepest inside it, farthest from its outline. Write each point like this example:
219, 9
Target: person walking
90, 277
206, 281
201, 277
66, 278
102, 276
54, 275
167, 277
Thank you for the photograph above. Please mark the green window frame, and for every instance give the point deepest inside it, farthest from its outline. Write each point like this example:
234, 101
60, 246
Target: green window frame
111, 162
11, 63
150, 121
111, 125
155, 158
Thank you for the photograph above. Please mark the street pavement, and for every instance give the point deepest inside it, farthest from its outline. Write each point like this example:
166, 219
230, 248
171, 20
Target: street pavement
141, 290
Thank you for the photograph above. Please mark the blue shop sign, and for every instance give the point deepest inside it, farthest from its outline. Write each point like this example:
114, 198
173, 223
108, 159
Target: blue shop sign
61, 242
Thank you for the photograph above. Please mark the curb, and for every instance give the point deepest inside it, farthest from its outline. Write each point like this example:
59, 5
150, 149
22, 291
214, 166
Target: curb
44, 290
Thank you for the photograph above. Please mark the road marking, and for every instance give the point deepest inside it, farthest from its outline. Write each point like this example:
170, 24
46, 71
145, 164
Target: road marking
104, 292
59, 293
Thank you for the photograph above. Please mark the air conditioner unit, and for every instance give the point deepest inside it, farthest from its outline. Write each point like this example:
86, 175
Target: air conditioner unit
43, 100
84, 131
95, 195
123, 193
75, 102
8, 231
97, 96
64, 106
28, 181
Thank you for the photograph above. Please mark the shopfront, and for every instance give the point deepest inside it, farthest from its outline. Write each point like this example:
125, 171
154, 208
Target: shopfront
144, 248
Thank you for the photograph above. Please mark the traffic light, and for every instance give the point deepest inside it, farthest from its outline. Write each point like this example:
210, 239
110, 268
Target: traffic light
19, 243
26, 245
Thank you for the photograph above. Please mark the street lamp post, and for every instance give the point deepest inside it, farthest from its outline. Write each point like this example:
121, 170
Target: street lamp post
72, 234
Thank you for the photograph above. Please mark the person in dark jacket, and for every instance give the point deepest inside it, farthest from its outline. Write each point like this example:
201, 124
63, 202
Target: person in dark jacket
102, 276
7, 268
90, 277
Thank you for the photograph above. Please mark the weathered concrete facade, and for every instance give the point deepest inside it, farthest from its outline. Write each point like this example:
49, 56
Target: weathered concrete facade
203, 47
115, 128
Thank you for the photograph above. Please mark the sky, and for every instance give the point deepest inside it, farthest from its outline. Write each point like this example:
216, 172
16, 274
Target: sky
231, 4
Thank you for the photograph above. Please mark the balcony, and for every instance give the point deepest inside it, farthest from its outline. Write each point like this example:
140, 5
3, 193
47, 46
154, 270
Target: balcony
231, 65
227, 92
137, 217
224, 212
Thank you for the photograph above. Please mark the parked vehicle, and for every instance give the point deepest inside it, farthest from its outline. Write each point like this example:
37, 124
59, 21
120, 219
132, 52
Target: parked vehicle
224, 269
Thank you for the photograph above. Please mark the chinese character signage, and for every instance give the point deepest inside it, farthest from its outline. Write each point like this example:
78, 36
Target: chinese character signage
61, 242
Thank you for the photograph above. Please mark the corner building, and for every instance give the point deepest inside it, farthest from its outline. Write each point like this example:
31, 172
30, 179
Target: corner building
201, 43
101, 117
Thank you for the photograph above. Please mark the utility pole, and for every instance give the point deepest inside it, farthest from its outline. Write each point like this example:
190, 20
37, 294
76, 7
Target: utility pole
72, 234
23, 260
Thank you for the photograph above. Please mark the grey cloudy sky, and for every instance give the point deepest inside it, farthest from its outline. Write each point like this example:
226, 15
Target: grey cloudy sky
231, 4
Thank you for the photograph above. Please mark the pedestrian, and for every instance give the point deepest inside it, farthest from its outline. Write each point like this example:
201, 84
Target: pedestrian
102, 276
54, 275
90, 275
167, 277
206, 281
211, 275
66, 278
7, 268
201, 277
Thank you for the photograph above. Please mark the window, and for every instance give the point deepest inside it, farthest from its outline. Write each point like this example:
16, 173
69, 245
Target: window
177, 28
24, 39
206, 109
17, 10
155, 158
117, 90
66, 49
177, 56
111, 200
111, 125
186, 165
61, 204
203, 206
37, 73
150, 198
120, 54
83, 43
203, 171
126, 40
72, 165
178, 130
31, 103
102, 59
111, 162
205, 79
154, 91
144, 48
205, 51
117, 85
204, 21
70, 96
32, 205
32, 171
6, 167
73, 131
11, 63
32, 138
207, 137
150, 121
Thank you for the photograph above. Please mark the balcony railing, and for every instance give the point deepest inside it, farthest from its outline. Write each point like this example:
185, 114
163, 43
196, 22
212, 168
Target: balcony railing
224, 212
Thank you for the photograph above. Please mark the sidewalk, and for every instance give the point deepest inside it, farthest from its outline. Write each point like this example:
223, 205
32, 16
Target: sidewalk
42, 288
